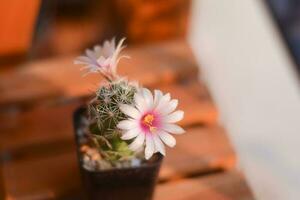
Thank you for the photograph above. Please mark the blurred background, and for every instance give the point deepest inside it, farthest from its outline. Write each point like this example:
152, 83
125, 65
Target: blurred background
233, 65
39, 29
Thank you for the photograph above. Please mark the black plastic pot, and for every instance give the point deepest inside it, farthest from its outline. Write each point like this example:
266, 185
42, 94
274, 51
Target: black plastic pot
117, 184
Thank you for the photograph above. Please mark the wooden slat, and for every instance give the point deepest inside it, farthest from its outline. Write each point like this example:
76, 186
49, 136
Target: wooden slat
39, 128
220, 186
197, 106
60, 78
198, 151
44, 178
47, 125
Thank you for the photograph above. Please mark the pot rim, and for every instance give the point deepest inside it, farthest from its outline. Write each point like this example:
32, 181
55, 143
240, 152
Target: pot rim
142, 166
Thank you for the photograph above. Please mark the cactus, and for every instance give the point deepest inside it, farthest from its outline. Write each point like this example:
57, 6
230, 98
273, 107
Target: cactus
104, 115
123, 113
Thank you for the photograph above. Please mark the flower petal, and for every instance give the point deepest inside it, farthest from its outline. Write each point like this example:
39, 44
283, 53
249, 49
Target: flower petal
140, 102
91, 54
174, 117
127, 124
173, 128
117, 50
119, 47
130, 111
82, 60
138, 142
97, 50
157, 96
163, 102
167, 138
101, 61
108, 48
104, 57
148, 97
132, 133
159, 146
169, 107
149, 150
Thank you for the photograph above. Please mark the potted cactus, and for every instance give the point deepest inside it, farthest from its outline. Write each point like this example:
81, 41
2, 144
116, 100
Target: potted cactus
122, 132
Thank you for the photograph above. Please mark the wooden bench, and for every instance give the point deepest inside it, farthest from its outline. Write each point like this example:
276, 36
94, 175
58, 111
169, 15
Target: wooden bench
37, 144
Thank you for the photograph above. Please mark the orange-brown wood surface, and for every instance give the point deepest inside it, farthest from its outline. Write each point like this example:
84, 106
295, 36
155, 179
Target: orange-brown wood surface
17, 25
220, 186
60, 78
200, 150
148, 21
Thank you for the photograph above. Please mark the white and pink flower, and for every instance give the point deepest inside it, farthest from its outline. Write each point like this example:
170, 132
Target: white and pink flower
150, 122
103, 59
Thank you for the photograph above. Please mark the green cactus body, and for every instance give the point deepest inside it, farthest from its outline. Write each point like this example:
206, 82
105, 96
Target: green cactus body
104, 115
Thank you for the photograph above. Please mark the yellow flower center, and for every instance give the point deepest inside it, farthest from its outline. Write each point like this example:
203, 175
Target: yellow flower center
148, 121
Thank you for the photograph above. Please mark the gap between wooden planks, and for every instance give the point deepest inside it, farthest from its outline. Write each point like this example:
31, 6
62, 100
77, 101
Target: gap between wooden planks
200, 150
60, 78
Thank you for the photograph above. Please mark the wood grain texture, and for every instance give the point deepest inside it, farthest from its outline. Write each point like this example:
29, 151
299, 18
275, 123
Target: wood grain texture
221, 186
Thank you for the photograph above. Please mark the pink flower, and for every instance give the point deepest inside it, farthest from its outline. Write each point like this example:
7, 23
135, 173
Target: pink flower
103, 59
150, 122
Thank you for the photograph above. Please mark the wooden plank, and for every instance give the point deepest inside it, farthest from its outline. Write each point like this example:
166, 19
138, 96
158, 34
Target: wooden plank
198, 151
17, 87
220, 186
198, 108
45, 178
45, 126
60, 78
39, 128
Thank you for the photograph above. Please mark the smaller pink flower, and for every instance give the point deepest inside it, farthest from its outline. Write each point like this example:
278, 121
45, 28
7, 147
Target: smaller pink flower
103, 59
150, 122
